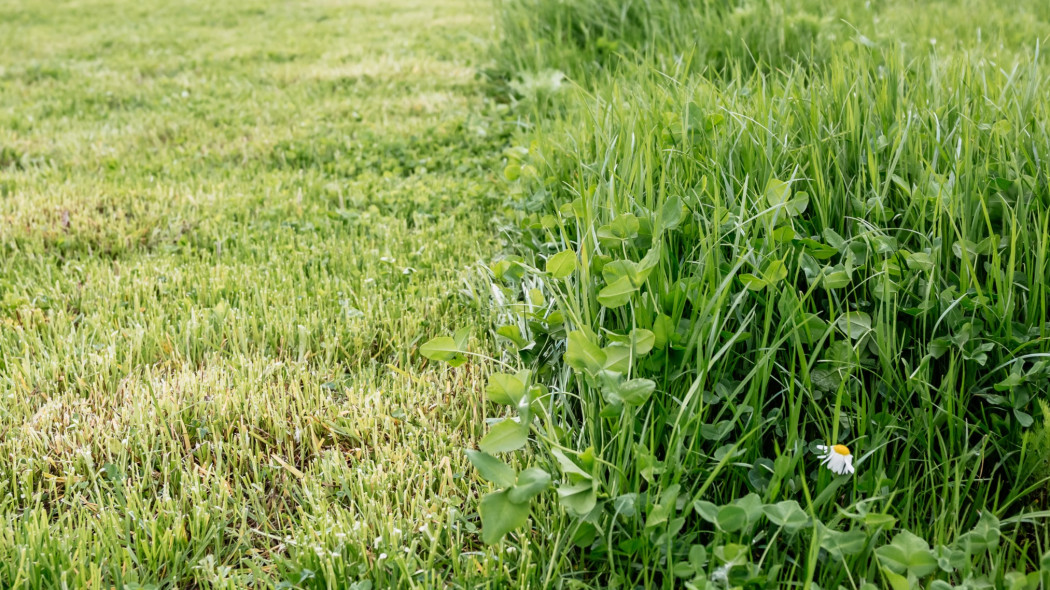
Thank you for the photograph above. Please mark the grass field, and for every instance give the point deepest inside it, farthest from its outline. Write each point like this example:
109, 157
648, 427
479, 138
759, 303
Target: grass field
533, 293
223, 229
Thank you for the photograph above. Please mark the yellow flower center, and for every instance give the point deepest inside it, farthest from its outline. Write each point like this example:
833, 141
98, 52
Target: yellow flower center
841, 449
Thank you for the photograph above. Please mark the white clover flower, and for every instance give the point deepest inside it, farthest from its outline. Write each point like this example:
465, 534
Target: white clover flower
837, 458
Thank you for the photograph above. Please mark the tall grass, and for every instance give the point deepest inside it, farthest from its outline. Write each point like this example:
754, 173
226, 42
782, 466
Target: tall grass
750, 228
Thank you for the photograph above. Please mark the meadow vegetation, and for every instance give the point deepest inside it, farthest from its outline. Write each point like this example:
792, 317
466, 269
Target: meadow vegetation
748, 228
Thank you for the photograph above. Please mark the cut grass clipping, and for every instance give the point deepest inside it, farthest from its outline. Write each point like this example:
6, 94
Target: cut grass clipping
777, 306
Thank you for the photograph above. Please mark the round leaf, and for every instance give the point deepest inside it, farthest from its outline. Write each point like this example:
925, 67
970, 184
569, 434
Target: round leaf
562, 264
731, 518
507, 435
499, 516
491, 468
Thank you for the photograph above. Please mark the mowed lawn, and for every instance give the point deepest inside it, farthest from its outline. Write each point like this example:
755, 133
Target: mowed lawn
225, 229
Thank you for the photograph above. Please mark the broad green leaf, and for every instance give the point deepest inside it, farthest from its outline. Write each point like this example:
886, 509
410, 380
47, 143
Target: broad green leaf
694, 117
531, 482
896, 581
848, 542
836, 279
462, 337
920, 261
884, 244
504, 436
638, 272
650, 261
784, 233
1013, 379
508, 269
777, 192
716, 431
624, 227
579, 498
646, 463
626, 504
636, 391
617, 358
732, 553
598, 262
683, 569
512, 171
537, 391
584, 535
908, 554
811, 328
949, 559
617, 293
443, 348
984, 536
505, 389
774, 272
854, 324
513, 333
787, 514
760, 474
1022, 581
642, 341
562, 264
834, 239
752, 282
663, 331
672, 213
752, 505
664, 510
584, 355
818, 250
500, 515
536, 298
731, 518
798, 205
706, 510
570, 468
698, 557
884, 288
966, 249
618, 269
874, 520
491, 468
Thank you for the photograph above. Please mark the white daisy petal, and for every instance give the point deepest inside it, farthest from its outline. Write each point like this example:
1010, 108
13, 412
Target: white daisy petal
838, 459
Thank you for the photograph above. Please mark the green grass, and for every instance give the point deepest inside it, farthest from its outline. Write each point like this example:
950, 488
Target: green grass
224, 228
677, 245
750, 227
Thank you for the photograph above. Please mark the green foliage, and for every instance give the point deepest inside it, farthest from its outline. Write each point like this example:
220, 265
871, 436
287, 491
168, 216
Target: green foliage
765, 229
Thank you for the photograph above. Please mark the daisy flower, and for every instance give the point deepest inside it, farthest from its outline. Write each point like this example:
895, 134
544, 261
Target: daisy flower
837, 458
